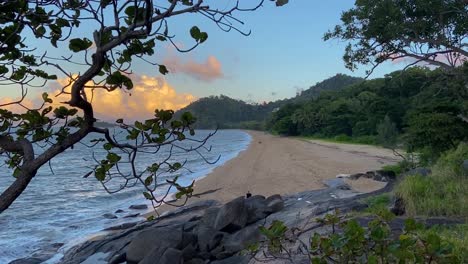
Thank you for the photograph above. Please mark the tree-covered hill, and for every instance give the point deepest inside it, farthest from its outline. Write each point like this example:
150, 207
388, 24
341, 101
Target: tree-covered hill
225, 112
334, 83
423, 106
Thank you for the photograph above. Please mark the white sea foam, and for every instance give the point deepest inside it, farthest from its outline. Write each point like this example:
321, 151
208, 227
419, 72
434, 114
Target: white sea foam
66, 208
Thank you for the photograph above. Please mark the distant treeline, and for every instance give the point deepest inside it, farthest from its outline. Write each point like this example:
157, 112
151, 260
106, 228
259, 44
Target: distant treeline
224, 112
419, 105
422, 106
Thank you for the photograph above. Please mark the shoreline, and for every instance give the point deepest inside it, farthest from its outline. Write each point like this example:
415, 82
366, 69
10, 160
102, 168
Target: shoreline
284, 165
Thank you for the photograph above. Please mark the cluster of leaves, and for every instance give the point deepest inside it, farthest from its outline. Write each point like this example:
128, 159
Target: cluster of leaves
400, 106
18, 62
349, 242
147, 137
42, 126
377, 244
434, 31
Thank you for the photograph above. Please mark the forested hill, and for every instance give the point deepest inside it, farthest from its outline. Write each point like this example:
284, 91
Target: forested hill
334, 83
225, 112
418, 107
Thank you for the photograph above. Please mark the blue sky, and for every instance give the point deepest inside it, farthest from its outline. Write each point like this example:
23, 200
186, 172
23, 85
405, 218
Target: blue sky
284, 53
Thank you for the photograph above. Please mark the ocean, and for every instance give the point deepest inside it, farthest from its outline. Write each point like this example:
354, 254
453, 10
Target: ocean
60, 206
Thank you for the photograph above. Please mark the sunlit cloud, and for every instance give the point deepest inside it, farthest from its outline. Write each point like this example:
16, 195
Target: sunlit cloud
207, 71
149, 93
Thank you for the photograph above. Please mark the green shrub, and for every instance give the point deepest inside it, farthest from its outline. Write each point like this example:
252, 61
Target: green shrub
395, 168
442, 193
349, 242
377, 203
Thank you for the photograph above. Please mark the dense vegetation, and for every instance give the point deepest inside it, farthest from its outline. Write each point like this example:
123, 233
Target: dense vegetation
224, 112
421, 105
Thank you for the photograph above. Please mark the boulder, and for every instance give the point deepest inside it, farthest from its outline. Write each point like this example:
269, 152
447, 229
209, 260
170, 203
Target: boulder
154, 241
232, 260
171, 256
398, 207
232, 216
208, 238
275, 203
27, 261
195, 261
132, 215
110, 216
121, 226
257, 208
139, 207
241, 239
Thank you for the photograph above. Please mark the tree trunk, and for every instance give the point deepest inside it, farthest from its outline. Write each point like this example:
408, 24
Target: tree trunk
14, 190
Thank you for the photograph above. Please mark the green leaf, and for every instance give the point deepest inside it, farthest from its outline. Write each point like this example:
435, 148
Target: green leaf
113, 158
100, 174
78, 44
40, 31
107, 146
148, 180
163, 70
281, 2
195, 32
148, 195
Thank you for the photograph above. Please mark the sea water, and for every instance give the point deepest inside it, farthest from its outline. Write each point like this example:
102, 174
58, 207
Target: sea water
61, 206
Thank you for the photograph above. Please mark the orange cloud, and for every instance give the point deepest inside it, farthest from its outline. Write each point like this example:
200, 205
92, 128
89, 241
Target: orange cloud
149, 93
207, 71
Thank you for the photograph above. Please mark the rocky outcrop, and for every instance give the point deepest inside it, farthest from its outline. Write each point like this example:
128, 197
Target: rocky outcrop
207, 232
377, 175
203, 233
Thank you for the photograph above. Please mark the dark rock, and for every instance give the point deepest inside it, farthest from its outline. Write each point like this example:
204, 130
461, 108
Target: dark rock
241, 239
138, 206
27, 261
209, 218
378, 175
398, 207
153, 256
189, 252
190, 226
152, 242
232, 216
418, 171
171, 256
195, 261
188, 238
208, 238
356, 176
275, 203
132, 215
233, 260
120, 227
256, 208
119, 211
110, 216
121, 258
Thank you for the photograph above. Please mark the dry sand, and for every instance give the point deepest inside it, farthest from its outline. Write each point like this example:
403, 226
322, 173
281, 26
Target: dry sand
282, 165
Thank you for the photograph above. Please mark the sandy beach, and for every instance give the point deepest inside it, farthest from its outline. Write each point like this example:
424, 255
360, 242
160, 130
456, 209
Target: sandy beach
283, 165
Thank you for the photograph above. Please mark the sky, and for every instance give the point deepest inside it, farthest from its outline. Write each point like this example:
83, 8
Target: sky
283, 54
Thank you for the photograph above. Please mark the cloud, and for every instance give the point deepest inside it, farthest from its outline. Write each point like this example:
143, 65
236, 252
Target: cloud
149, 93
207, 71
